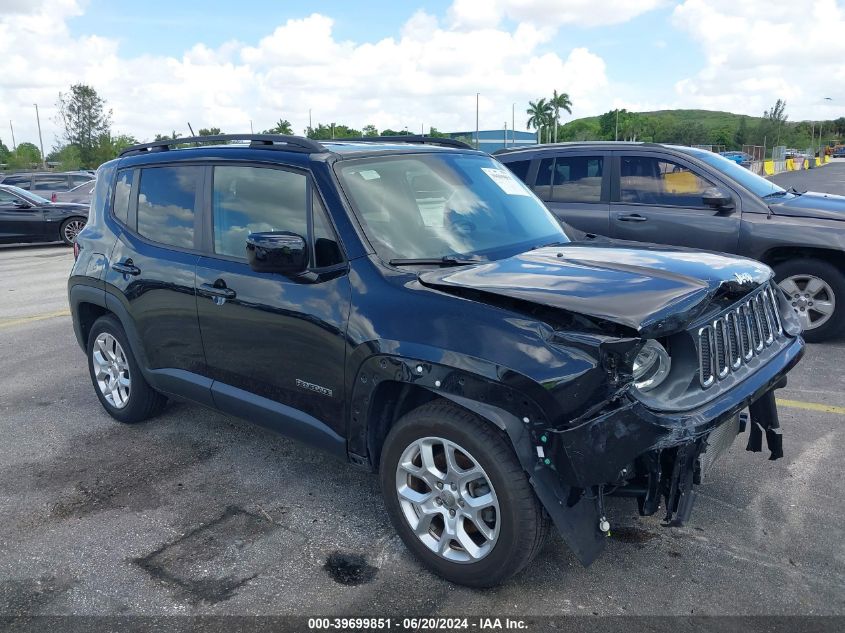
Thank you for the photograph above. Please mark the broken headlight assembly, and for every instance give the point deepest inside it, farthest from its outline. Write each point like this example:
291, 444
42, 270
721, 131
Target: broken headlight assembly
651, 366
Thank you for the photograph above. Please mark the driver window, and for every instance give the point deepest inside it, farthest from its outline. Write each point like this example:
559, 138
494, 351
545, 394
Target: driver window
648, 180
255, 199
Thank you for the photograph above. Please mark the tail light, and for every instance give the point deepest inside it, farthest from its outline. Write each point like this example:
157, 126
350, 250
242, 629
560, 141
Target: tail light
76, 249
53, 197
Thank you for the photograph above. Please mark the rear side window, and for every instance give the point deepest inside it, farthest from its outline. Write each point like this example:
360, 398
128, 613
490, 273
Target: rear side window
50, 183
577, 179
122, 189
167, 198
520, 169
253, 200
75, 181
17, 181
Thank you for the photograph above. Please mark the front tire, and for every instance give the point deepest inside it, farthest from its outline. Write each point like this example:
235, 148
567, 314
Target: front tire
121, 388
816, 289
70, 228
457, 495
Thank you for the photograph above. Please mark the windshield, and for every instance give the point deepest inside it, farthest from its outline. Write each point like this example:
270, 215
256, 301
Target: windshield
748, 179
436, 205
29, 196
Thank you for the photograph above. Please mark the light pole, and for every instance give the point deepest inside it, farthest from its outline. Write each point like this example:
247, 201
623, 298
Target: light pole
513, 123
12, 127
40, 142
476, 119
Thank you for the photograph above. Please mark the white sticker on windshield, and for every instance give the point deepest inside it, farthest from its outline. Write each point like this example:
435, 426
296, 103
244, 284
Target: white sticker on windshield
507, 181
369, 174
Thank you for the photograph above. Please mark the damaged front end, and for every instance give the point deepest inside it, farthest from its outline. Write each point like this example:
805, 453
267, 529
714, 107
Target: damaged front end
655, 442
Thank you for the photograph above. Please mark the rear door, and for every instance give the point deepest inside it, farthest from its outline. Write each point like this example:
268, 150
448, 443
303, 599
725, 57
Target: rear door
152, 268
658, 197
575, 186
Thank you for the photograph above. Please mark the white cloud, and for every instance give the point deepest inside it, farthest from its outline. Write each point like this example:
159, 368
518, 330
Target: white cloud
427, 74
548, 13
757, 51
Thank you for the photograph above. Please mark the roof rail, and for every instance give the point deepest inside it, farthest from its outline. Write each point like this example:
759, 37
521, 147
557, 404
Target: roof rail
407, 138
262, 141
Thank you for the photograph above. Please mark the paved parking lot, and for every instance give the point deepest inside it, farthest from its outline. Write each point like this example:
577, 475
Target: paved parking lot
198, 513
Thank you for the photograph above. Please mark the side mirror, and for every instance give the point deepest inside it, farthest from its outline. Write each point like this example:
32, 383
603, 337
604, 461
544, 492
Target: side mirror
277, 252
718, 199
20, 204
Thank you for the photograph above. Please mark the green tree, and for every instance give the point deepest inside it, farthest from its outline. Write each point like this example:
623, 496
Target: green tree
741, 136
282, 126
539, 116
325, 132
167, 137
723, 135
389, 132
83, 117
25, 156
370, 130
209, 131
4, 153
559, 102
435, 133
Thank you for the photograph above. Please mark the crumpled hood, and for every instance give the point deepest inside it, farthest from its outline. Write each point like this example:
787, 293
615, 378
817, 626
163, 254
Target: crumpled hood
812, 204
655, 291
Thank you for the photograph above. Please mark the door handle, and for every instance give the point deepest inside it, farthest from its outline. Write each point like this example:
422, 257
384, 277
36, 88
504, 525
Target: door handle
631, 217
126, 268
218, 290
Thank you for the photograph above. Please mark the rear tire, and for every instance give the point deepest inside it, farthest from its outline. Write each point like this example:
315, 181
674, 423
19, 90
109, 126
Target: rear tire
491, 487
818, 287
70, 228
124, 393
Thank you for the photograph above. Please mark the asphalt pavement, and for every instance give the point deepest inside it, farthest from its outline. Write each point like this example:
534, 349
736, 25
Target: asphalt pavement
198, 513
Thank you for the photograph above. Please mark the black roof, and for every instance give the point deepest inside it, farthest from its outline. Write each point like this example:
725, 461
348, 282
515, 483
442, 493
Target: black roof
577, 144
299, 143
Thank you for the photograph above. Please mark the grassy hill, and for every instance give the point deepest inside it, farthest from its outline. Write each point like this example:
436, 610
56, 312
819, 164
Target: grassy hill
693, 127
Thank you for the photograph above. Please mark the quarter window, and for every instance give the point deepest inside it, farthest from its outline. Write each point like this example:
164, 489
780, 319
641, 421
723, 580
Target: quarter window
253, 200
166, 204
122, 189
649, 180
326, 247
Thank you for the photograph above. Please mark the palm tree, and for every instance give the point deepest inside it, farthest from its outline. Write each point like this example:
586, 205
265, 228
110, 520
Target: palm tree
560, 102
539, 115
282, 127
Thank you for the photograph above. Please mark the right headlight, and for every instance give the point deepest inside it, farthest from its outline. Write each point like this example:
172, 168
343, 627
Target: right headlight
651, 366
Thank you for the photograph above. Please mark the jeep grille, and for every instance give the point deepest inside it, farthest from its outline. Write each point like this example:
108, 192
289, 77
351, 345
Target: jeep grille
738, 335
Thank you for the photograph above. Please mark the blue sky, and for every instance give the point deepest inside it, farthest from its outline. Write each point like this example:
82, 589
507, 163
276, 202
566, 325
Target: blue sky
393, 64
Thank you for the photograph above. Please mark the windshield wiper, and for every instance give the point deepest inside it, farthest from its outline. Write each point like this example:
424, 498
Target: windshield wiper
446, 260
776, 194
796, 192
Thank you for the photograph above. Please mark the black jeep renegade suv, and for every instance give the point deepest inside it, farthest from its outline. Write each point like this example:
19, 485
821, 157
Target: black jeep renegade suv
412, 307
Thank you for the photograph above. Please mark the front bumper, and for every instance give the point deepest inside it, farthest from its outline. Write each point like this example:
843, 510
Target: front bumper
645, 453
595, 452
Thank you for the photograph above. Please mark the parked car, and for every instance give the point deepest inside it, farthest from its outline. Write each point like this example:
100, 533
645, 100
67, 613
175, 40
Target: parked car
684, 196
740, 158
839, 152
496, 373
45, 183
26, 217
81, 194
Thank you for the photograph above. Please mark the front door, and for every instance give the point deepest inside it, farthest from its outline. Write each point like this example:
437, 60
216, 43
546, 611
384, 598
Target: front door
659, 199
275, 346
19, 221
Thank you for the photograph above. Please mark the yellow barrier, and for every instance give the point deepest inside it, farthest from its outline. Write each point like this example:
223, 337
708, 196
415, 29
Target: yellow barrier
818, 162
769, 167
826, 158
790, 164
